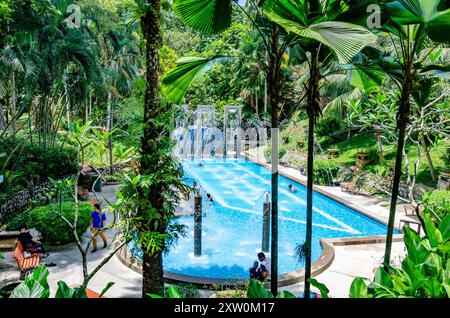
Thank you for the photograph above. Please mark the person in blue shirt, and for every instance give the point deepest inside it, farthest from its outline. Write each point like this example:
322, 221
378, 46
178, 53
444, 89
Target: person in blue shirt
97, 226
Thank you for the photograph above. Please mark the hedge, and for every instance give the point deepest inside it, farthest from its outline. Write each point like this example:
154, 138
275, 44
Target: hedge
54, 230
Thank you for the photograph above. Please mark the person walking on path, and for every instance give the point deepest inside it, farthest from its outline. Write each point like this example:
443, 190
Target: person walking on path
98, 227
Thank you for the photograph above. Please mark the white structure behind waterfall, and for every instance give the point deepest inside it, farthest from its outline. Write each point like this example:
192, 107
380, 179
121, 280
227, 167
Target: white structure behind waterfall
200, 134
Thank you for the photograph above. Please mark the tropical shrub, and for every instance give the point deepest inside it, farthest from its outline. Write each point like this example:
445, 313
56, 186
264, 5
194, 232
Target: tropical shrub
268, 153
256, 290
437, 204
344, 174
52, 227
327, 126
325, 171
36, 286
40, 162
424, 273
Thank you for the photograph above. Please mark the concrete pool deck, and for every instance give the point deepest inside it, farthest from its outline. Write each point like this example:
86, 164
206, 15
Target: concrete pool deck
349, 261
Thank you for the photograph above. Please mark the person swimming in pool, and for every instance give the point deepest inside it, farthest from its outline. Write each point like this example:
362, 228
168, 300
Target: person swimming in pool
292, 188
195, 188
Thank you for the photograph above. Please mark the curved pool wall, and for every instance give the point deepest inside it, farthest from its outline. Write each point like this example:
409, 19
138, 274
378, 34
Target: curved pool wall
232, 224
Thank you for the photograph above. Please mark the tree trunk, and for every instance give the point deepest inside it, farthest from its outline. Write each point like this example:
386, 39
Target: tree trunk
110, 127
2, 117
256, 101
67, 104
265, 89
409, 184
429, 161
273, 89
153, 281
379, 146
152, 271
313, 111
402, 121
13, 102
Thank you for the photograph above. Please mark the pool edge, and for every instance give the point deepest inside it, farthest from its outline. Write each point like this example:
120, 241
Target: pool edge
329, 195
319, 266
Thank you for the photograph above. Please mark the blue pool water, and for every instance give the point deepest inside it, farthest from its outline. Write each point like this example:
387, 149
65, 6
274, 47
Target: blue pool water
232, 225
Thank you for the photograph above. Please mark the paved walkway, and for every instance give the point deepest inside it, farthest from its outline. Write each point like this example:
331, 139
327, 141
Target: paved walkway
349, 262
68, 259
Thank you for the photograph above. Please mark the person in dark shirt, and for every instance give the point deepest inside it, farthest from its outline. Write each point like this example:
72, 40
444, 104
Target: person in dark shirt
254, 271
97, 227
29, 243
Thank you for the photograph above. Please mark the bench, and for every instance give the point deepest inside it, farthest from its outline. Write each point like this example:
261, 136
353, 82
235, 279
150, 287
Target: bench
92, 294
25, 264
89, 292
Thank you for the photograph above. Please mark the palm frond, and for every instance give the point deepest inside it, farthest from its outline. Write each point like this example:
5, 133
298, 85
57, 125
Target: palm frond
177, 81
207, 16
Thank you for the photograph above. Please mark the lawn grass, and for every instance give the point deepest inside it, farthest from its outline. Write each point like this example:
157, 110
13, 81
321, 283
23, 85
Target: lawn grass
366, 142
349, 148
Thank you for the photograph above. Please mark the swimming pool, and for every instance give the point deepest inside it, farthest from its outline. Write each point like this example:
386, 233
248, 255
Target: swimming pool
232, 225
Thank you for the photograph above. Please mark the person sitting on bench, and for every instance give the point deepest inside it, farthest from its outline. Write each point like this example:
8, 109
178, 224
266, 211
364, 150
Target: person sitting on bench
29, 243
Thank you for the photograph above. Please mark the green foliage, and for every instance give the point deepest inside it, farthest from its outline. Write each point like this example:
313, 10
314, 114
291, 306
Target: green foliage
437, 204
36, 286
176, 82
344, 39
327, 126
425, 271
321, 287
168, 59
172, 292
5, 11
446, 157
268, 153
52, 227
207, 16
325, 171
25, 162
256, 290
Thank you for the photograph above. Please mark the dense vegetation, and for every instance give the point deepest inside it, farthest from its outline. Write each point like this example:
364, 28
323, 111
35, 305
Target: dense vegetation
319, 71
53, 228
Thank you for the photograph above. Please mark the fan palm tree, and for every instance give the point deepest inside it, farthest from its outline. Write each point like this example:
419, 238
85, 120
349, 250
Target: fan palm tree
321, 40
413, 26
213, 16
277, 40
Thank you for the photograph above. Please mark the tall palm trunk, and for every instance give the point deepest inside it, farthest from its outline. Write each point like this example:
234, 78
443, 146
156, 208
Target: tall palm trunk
152, 267
313, 111
402, 120
2, 117
13, 102
110, 127
273, 89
